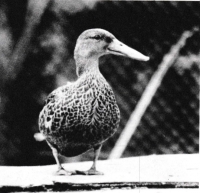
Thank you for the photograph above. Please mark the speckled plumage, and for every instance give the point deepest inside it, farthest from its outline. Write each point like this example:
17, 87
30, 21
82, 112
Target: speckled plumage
79, 116
84, 114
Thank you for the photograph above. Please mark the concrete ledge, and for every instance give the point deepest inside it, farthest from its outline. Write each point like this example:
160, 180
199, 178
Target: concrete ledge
149, 172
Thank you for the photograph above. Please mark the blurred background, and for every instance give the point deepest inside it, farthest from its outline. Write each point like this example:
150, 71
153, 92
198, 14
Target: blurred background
37, 40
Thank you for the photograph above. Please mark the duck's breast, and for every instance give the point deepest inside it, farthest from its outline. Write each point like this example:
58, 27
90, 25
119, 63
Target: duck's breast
80, 116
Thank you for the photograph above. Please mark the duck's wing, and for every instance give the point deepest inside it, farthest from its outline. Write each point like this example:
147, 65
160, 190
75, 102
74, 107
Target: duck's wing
51, 97
52, 115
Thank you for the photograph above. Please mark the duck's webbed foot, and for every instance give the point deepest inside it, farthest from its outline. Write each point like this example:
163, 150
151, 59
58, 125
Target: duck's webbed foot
91, 171
62, 172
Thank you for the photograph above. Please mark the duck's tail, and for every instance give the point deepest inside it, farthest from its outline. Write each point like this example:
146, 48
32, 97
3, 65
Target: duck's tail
39, 137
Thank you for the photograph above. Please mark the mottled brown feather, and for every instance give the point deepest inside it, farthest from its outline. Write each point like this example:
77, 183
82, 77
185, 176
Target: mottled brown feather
79, 116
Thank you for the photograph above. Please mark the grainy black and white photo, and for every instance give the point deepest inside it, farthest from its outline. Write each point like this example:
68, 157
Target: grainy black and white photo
99, 96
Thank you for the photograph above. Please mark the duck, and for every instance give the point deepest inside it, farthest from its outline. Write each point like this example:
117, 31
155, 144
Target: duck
82, 115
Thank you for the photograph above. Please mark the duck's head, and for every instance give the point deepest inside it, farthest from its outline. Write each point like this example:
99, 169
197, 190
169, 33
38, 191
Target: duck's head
93, 43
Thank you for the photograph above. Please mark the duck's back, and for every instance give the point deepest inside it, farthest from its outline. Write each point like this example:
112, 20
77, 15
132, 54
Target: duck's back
79, 116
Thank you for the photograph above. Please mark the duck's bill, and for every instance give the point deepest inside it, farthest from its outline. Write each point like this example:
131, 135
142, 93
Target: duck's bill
118, 48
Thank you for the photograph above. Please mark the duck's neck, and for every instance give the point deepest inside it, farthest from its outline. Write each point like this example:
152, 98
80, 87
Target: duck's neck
87, 65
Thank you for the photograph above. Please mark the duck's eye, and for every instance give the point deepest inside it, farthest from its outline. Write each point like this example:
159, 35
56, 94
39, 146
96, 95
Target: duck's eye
97, 37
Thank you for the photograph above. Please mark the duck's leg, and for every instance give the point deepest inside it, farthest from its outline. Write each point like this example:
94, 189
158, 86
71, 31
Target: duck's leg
61, 170
92, 170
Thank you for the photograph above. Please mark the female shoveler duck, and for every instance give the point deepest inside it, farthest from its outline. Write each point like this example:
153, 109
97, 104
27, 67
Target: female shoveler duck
83, 115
